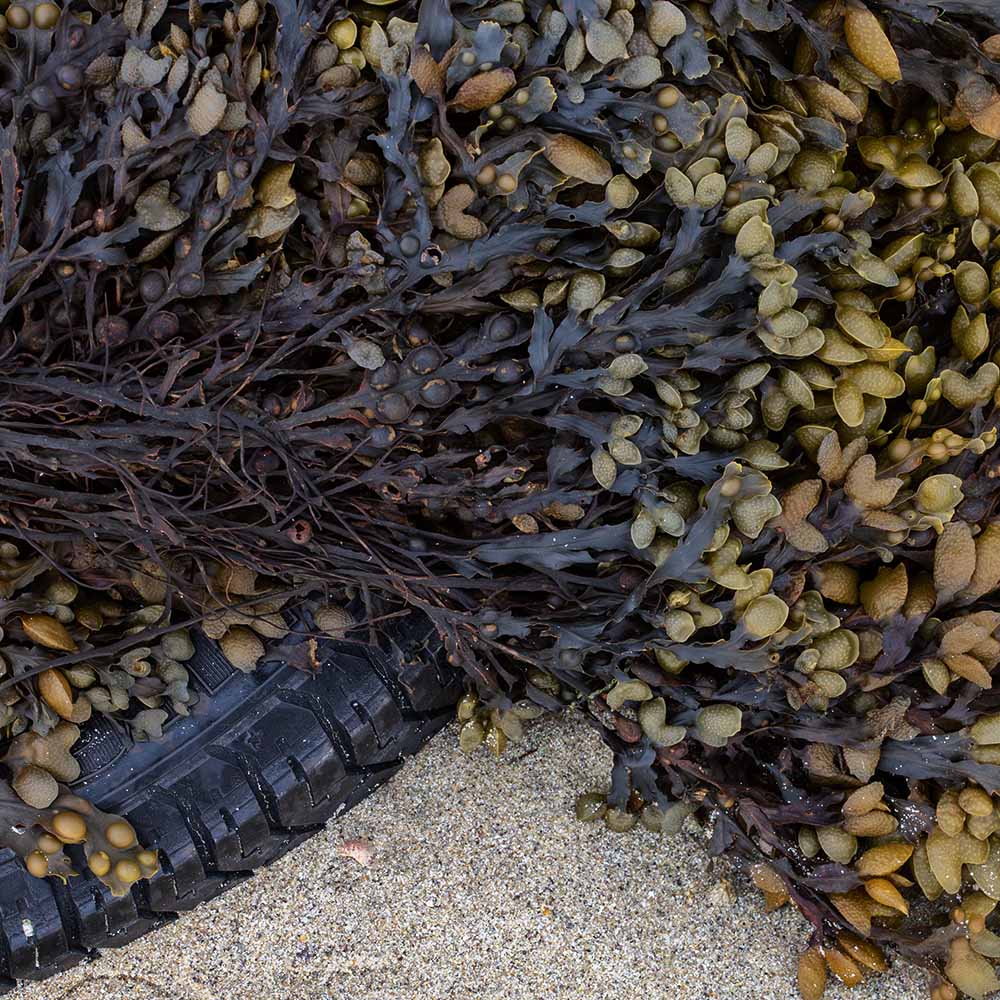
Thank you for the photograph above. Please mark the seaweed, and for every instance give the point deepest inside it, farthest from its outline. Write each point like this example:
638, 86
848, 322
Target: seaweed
649, 349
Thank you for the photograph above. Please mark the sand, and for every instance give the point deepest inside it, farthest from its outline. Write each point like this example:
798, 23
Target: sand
482, 885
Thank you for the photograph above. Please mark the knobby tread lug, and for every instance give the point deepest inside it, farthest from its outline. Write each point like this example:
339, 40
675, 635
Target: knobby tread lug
338, 692
262, 791
69, 917
335, 732
144, 907
106, 920
201, 838
390, 682
38, 942
266, 775
411, 665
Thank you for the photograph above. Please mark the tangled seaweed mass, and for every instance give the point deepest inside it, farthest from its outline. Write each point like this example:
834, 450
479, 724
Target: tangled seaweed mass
650, 348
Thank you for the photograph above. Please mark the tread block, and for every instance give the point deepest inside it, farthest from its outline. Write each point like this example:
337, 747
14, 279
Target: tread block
104, 920
358, 703
221, 813
310, 788
419, 668
288, 729
183, 872
295, 760
32, 925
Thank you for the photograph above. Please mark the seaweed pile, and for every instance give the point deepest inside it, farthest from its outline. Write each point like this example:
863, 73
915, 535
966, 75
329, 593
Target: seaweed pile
650, 348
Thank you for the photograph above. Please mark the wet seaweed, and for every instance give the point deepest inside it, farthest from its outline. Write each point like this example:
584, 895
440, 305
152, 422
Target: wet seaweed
648, 348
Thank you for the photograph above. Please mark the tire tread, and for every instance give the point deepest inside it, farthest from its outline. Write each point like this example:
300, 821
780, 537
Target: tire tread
267, 780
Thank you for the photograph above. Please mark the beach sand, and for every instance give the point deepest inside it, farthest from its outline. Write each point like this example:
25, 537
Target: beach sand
482, 885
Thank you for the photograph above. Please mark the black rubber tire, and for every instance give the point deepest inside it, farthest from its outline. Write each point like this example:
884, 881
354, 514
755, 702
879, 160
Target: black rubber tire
262, 762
